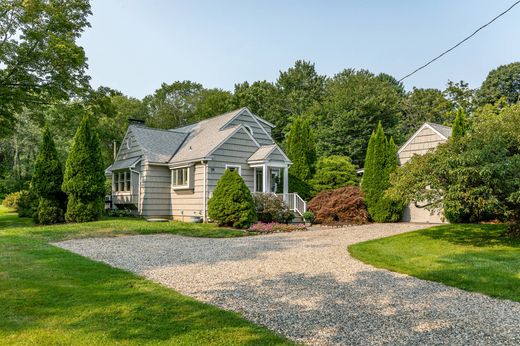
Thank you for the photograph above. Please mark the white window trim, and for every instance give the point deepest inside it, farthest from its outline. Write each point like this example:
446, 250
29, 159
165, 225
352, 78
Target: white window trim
119, 191
235, 166
188, 180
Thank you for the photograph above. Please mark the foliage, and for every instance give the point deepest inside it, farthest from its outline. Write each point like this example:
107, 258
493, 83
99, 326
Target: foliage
474, 178
212, 102
476, 258
27, 204
74, 289
39, 58
301, 149
46, 182
49, 211
504, 81
333, 172
341, 206
424, 105
308, 216
269, 207
380, 162
231, 203
355, 102
460, 95
84, 179
460, 125
303, 188
118, 213
11, 200
275, 227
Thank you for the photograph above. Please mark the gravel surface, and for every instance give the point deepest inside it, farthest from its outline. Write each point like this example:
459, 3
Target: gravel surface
306, 286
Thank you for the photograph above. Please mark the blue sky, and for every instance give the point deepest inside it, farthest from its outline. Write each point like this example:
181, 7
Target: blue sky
134, 46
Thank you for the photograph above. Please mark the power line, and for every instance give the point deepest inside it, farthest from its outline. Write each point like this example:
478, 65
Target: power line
461, 42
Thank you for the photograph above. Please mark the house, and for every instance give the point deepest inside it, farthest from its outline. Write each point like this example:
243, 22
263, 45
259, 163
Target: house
426, 138
172, 173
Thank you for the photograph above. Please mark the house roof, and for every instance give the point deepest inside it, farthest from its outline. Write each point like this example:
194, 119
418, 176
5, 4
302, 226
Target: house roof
443, 130
205, 137
263, 153
158, 145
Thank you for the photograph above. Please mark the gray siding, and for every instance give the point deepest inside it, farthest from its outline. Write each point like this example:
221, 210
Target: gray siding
425, 140
266, 128
155, 190
276, 156
235, 151
190, 202
125, 152
258, 131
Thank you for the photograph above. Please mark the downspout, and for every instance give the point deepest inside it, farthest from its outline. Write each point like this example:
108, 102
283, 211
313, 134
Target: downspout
204, 190
139, 211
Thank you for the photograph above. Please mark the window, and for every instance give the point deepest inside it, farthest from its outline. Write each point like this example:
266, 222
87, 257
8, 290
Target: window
233, 168
122, 181
180, 177
259, 180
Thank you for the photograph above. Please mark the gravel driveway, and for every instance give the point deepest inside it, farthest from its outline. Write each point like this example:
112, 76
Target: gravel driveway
306, 286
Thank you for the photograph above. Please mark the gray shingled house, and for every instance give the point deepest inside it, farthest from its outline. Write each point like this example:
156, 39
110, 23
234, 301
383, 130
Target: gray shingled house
172, 173
426, 138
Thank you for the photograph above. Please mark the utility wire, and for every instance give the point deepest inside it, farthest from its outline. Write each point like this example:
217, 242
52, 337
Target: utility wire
461, 42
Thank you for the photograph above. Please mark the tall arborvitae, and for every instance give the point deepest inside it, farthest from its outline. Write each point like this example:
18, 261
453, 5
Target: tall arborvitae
374, 182
380, 162
460, 124
301, 149
46, 182
84, 180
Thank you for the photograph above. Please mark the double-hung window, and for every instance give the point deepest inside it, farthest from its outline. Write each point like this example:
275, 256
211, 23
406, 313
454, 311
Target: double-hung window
122, 181
180, 177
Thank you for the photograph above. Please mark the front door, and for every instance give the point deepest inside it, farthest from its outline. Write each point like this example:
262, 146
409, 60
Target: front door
275, 179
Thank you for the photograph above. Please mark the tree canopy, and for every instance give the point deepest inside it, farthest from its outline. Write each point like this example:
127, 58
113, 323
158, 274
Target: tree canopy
504, 81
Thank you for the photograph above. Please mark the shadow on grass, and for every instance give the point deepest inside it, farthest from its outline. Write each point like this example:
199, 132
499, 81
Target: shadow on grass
478, 235
53, 291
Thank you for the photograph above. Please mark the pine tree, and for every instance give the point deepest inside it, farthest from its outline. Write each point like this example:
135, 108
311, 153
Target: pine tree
231, 204
301, 149
84, 179
46, 182
380, 162
459, 124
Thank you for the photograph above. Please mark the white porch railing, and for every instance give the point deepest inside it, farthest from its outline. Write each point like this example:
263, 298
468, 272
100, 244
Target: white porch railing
293, 200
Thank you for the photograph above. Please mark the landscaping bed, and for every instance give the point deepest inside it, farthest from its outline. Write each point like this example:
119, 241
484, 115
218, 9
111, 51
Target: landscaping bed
473, 257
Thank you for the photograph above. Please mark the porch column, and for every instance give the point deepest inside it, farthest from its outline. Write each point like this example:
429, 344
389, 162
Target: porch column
265, 188
285, 180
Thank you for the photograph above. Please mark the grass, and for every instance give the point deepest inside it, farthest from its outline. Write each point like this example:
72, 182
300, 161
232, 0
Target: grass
477, 258
49, 296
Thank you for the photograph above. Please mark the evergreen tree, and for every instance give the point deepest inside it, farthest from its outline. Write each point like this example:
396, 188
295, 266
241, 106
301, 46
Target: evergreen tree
231, 204
380, 162
301, 149
459, 124
46, 182
84, 179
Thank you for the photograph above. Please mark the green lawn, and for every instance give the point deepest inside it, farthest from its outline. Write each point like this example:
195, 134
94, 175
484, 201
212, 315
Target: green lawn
475, 258
49, 296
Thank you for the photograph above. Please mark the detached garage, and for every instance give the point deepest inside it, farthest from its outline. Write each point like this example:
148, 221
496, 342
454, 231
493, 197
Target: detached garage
426, 138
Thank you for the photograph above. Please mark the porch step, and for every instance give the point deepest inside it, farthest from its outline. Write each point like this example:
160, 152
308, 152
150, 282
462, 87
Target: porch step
297, 218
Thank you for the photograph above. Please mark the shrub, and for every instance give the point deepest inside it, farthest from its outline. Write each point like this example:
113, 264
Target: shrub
333, 172
231, 203
274, 227
27, 204
11, 200
303, 188
341, 206
46, 182
308, 216
84, 179
49, 212
118, 213
270, 207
